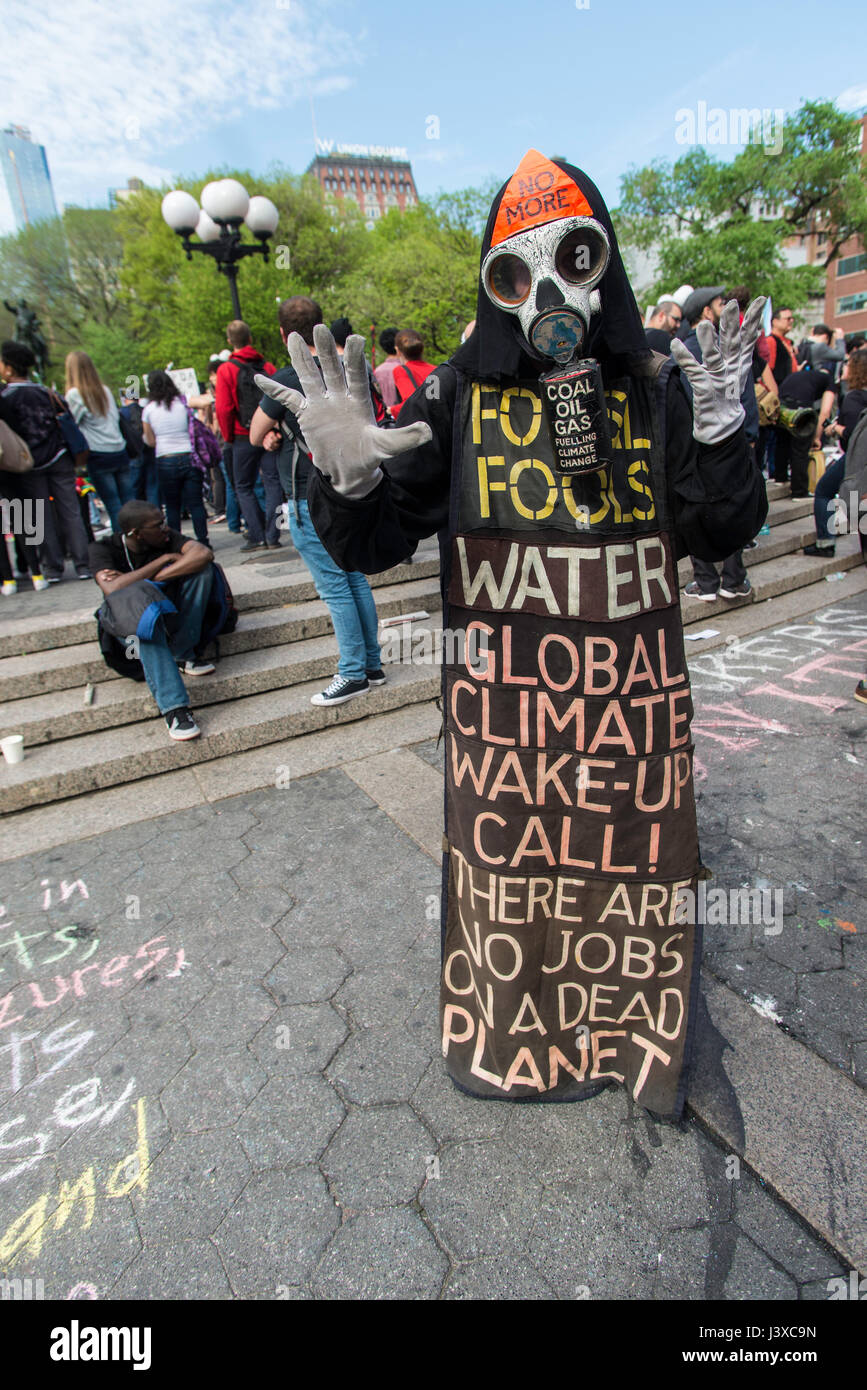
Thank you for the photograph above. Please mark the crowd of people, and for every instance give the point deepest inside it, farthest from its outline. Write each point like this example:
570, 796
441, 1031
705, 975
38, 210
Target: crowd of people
160, 459
155, 461
801, 406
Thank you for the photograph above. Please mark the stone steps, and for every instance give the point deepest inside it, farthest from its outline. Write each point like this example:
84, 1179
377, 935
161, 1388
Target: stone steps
73, 666
254, 587
109, 757
274, 662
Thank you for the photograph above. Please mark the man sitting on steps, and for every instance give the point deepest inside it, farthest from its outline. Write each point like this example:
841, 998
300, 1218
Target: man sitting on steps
144, 547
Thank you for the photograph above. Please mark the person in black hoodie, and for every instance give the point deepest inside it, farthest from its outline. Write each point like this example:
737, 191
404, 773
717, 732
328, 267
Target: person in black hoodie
561, 465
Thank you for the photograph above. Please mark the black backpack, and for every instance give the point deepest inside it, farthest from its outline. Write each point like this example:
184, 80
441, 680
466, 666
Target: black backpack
132, 430
249, 394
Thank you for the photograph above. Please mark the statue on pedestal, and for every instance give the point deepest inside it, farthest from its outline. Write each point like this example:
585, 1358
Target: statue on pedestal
27, 331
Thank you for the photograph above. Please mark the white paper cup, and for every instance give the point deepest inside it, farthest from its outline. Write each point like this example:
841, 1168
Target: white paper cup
13, 748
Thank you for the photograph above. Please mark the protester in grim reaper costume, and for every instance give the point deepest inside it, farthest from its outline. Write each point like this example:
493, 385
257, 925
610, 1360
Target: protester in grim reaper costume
565, 472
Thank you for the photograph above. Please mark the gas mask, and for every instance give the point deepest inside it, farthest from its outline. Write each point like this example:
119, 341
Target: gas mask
547, 278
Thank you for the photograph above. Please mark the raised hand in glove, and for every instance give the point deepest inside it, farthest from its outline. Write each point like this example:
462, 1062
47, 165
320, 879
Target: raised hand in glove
719, 379
335, 414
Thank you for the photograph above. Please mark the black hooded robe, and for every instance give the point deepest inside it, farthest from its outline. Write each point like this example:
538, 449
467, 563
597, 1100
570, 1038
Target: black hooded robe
570, 955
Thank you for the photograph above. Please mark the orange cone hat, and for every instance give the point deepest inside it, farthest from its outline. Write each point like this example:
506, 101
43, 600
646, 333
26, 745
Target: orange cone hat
537, 192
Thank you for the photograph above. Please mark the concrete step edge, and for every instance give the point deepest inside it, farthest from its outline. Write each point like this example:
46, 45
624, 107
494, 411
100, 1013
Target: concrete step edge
67, 667
47, 631
113, 756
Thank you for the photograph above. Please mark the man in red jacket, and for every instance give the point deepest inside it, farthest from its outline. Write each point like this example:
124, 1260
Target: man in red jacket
235, 402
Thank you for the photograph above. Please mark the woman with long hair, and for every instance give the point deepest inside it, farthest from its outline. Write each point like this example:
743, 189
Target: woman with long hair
95, 411
166, 424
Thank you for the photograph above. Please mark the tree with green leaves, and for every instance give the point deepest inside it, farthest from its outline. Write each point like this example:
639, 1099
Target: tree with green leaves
711, 222
68, 269
117, 283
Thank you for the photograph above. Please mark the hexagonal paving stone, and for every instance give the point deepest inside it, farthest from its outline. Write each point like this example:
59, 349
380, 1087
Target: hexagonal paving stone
378, 1157
663, 1166
588, 1237
213, 1089
378, 1064
453, 1115
307, 976
300, 1038
494, 1281
276, 1231
382, 1255
174, 1269
291, 1121
235, 1011
753, 1275
383, 994
570, 1141
190, 1186
484, 1202
76, 1254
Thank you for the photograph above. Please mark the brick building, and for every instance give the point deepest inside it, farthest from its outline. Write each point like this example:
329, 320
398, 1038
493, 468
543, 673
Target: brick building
378, 177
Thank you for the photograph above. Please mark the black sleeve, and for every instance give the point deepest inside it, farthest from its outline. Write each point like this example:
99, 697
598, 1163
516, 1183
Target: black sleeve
100, 557
717, 492
374, 533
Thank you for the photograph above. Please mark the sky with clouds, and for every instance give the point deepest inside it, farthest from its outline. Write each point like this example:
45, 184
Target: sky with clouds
168, 88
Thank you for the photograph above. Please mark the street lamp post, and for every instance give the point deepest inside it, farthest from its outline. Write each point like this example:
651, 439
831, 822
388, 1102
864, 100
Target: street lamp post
226, 204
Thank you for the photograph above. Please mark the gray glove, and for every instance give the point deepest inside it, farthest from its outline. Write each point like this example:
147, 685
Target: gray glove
336, 416
719, 379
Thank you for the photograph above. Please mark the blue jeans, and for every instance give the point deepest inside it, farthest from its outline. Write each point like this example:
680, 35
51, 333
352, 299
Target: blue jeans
347, 595
181, 488
826, 488
145, 483
233, 511
249, 464
112, 478
175, 638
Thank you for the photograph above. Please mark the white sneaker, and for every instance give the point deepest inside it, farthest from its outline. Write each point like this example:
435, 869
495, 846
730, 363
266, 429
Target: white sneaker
9, 588
39, 582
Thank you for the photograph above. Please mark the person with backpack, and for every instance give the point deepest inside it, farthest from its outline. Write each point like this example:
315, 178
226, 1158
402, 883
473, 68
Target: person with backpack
817, 353
145, 484
237, 397
34, 413
411, 370
828, 486
166, 424
159, 626
384, 373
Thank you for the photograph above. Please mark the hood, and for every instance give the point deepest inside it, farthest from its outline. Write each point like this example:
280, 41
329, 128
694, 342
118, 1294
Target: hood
497, 348
248, 353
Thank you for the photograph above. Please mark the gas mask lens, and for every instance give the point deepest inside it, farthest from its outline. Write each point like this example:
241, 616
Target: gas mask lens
581, 256
509, 280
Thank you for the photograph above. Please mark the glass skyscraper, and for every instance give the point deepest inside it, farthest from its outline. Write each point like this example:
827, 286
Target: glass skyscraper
28, 181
